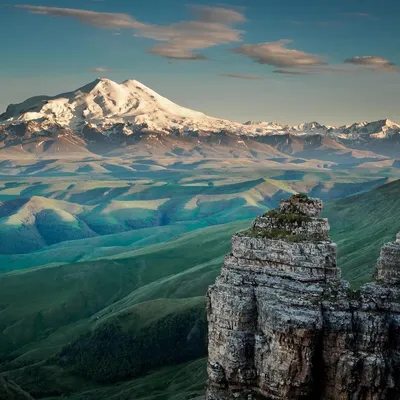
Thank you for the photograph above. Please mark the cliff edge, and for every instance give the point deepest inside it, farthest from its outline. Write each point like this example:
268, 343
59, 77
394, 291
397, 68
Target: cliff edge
283, 325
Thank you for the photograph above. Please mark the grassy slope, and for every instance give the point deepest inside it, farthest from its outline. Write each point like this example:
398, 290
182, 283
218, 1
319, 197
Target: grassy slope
61, 303
76, 209
56, 297
159, 280
171, 383
360, 225
41, 222
97, 247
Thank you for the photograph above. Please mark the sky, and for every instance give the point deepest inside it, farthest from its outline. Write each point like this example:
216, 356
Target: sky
335, 62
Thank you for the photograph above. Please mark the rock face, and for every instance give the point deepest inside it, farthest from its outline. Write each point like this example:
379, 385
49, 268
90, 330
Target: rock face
283, 325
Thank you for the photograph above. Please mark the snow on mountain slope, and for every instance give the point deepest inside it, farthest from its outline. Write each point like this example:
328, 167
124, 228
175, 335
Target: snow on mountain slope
131, 107
310, 127
382, 129
103, 103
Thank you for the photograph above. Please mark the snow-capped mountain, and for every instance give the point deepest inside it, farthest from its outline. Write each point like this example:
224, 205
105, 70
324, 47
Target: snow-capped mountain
382, 129
104, 103
310, 127
105, 112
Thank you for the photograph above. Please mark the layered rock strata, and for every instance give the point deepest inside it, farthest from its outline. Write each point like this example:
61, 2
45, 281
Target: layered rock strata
283, 325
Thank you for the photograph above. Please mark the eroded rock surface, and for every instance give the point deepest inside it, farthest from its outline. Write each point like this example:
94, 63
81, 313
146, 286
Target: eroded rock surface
283, 325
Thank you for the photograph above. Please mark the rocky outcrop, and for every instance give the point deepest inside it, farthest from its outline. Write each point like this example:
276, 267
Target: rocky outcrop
283, 325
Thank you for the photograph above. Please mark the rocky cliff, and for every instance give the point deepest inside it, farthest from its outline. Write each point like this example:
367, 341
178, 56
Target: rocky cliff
283, 325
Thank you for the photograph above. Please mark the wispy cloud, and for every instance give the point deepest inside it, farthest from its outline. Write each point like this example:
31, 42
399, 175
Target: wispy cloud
330, 24
358, 15
292, 72
296, 22
314, 70
218, 15
277, 55
375, 63
101, 70
242, 76
335, 23
210, 26
86, 17
176, 50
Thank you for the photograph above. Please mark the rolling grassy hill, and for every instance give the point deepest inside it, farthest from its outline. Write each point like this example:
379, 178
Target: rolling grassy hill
149, 295
43, 217
66, 294
132, 323
360, 225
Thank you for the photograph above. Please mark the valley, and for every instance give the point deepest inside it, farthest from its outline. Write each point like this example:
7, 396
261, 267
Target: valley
117, 208
120, 251
59, 212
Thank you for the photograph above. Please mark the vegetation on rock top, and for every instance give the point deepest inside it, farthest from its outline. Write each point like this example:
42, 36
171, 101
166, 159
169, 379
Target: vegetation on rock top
288, 218
301, 197
281, 234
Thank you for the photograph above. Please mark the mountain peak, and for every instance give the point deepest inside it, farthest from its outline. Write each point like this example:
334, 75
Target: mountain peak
104, 103
391, 124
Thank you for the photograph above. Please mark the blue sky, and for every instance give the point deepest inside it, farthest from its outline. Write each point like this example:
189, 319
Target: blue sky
290, 62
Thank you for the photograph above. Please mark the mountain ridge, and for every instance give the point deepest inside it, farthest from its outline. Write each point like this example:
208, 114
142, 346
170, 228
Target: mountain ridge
110, 91
104, 110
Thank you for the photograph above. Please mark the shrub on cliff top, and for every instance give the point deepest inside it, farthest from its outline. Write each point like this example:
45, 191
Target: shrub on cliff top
287, 218
301, 197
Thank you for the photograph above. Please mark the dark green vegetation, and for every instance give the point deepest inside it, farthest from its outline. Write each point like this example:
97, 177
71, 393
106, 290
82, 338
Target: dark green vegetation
287, 218
128, 315
111, 354
10, 391
108, 302
180, 382
360, 225
290, 225
283, 234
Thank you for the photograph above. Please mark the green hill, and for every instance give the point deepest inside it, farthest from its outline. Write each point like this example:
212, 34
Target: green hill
58, 296
360, 225
39, 215
134, 327
11, 391
147, 311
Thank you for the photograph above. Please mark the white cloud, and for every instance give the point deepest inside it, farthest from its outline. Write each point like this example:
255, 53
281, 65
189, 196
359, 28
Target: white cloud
276, 54
211, 26
358, 15
292, 72
101, 70
219, 15
373, 62
176, 50
243, 76
99, 19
